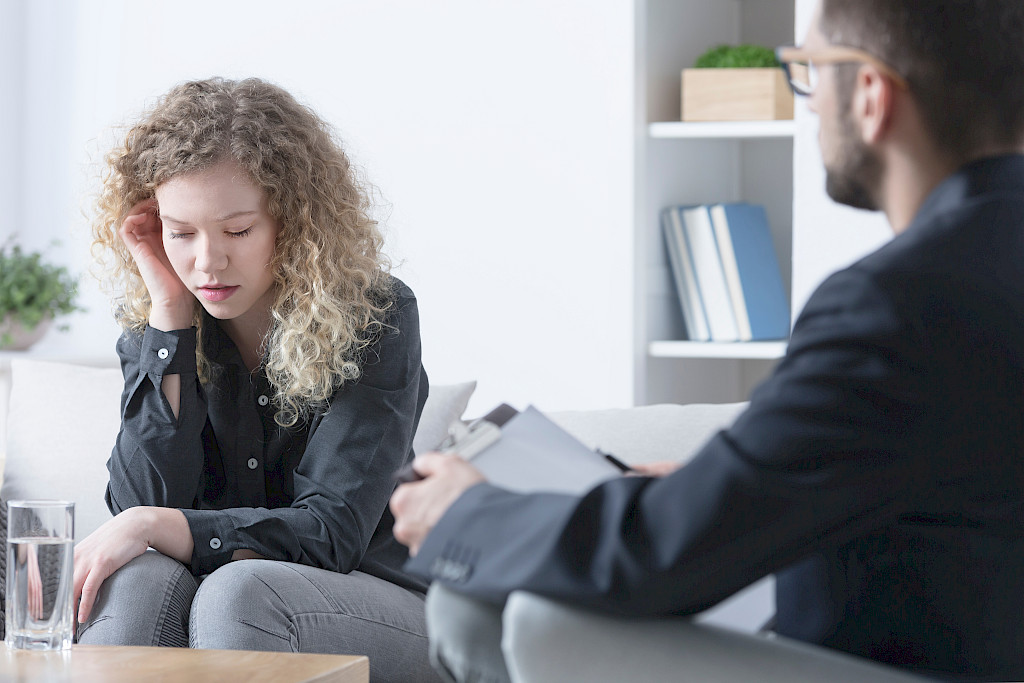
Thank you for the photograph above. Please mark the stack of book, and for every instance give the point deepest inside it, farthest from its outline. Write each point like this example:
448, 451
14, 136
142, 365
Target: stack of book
726, 273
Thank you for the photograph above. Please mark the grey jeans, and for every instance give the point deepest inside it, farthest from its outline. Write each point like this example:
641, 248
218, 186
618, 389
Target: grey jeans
535, 640
264, 605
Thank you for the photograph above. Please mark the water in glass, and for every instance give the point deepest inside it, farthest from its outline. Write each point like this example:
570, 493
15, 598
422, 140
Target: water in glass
39, 610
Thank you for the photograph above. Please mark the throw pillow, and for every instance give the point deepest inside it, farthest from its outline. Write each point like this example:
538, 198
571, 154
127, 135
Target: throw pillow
62, 422
445, 405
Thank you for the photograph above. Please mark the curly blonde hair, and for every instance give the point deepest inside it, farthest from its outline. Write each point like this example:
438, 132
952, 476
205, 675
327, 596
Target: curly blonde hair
332, 283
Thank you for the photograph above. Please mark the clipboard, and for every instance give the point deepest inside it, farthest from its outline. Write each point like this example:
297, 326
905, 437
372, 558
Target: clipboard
527, 452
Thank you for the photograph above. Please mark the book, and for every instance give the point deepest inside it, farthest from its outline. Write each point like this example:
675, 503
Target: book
714, 291
751, 271
683, 274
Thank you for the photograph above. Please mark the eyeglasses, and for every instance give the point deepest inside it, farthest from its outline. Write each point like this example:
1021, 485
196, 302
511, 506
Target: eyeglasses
801, 68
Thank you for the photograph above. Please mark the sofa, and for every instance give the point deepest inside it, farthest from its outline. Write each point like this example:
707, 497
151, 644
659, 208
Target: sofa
62, 419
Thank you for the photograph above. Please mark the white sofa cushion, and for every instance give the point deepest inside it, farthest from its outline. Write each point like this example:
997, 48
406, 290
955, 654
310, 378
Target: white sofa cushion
649, 433
63, 420
61, 425
445, 405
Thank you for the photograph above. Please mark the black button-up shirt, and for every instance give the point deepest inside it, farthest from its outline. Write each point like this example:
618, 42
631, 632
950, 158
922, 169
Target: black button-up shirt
316, 494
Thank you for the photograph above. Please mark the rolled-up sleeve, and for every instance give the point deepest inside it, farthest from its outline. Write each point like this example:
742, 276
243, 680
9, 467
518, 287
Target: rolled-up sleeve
345, 476
157, 458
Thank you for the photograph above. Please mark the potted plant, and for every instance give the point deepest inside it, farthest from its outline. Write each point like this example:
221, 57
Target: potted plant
736, 83
32, 293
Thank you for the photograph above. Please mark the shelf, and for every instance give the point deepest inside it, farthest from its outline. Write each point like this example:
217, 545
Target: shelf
770, 350
722, 129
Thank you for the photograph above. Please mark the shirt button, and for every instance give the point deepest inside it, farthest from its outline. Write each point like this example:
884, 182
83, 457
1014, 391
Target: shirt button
253, 463
215, 543
263, 400
162, 354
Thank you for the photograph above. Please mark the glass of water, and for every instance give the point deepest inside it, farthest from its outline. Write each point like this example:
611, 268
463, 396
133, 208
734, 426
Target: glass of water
40, 569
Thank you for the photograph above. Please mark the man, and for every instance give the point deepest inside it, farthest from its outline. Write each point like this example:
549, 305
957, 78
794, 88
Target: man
878, 473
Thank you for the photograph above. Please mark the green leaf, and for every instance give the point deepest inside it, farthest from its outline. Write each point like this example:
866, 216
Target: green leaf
737, 57
32, 289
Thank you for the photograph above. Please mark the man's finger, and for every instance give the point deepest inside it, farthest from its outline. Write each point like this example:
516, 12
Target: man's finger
429, 463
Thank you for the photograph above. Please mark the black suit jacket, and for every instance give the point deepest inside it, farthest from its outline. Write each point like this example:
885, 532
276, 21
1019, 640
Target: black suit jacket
878, 472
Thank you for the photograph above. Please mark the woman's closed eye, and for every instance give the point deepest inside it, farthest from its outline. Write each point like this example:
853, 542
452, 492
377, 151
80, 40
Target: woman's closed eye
230, 233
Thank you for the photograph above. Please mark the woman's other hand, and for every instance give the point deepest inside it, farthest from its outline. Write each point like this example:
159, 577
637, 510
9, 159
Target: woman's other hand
142, 232
121, 540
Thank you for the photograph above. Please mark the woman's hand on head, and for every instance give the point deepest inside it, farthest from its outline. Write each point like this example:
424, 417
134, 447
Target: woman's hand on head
142, 233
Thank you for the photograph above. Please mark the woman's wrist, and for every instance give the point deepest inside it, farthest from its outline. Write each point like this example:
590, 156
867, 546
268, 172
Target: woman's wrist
166, 530
170, 318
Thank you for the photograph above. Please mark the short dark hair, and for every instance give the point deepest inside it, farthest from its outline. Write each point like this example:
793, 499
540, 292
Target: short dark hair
963, 60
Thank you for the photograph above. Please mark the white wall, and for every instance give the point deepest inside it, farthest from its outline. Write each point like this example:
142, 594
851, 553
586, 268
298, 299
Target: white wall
498, 133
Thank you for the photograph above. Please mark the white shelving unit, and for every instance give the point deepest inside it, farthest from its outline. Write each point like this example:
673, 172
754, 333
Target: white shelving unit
701, 163
765, 350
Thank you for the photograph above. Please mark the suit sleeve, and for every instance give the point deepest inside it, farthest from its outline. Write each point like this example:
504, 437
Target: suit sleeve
824, 452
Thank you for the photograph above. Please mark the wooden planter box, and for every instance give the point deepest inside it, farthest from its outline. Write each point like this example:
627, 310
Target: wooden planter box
736, 95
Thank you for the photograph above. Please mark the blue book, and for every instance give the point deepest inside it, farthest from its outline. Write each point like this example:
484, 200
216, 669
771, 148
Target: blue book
751, 271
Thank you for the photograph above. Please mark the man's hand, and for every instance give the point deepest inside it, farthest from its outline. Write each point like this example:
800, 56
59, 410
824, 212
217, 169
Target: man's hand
419, 506
654, 469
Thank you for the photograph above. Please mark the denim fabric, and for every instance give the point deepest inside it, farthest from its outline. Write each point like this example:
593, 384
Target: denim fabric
265, 605
146, 603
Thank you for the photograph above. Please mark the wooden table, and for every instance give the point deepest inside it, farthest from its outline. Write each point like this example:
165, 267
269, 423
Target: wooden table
101, 664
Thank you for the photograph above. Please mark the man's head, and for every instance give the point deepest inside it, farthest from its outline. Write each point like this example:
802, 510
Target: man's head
961, 62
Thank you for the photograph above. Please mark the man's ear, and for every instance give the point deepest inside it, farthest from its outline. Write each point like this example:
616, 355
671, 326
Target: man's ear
873, 102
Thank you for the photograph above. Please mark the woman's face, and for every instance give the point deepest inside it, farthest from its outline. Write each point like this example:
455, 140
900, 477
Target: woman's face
219, 239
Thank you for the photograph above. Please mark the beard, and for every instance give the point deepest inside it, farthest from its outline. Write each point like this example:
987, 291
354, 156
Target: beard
853, 178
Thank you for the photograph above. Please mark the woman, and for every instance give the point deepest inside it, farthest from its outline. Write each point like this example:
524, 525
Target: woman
272, 387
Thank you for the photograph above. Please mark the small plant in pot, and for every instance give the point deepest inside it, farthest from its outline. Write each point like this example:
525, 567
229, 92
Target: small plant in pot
32, 293
736, 83
737, 57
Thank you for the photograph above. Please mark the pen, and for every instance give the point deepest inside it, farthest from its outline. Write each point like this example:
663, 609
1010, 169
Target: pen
615, 461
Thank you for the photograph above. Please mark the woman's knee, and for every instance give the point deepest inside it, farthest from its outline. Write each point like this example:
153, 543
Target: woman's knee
145, 602
269, 605
236, 607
